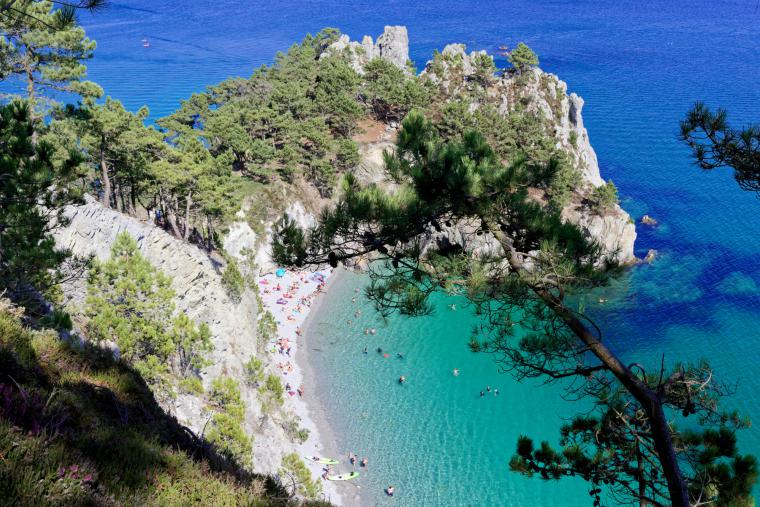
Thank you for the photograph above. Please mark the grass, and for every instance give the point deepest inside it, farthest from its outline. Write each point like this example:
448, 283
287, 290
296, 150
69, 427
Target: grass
80, 428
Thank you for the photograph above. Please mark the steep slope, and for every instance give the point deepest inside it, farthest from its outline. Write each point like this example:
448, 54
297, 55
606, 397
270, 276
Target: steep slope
196, 280
78, 427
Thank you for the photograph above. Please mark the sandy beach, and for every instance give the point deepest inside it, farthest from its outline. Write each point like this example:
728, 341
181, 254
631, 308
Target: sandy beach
291, 298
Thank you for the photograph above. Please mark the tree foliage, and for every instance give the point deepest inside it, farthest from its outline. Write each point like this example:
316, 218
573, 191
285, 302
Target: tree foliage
522, 58
714, 143
131, 303
33, 192
226, 427
631, 446
390, 93
45, 48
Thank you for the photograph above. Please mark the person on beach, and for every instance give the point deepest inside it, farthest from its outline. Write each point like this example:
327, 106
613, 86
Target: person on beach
352, 459
364, 463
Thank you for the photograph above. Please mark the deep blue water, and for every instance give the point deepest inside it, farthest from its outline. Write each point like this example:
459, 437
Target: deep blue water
639, 66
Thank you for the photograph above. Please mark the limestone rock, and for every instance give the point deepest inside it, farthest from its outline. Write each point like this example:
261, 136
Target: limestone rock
196, 280
647, 220
613, 230
392, 45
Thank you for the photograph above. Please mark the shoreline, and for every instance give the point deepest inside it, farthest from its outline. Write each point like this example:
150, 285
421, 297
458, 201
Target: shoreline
296, 369
315, 406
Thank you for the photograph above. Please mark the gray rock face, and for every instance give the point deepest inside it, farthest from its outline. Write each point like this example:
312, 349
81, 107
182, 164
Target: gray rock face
200, 294
392, 45
455, 69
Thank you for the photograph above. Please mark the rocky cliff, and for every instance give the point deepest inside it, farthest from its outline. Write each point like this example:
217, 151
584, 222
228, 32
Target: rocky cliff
392, 45
546, 95
197, 283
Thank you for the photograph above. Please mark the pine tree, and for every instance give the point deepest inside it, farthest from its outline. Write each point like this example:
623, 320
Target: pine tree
46, 49
715, 144
33, 193
131, 303
522, 58
119, 147
631, 446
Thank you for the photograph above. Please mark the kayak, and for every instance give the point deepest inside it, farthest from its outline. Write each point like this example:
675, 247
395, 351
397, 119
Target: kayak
322, 461
343, 477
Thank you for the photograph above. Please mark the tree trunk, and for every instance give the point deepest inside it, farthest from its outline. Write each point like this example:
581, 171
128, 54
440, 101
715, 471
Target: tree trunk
30, 95
188, 204
118, 197
648, 399
105, 179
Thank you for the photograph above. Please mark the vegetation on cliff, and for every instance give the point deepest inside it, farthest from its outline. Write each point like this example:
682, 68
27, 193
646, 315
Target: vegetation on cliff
78, 427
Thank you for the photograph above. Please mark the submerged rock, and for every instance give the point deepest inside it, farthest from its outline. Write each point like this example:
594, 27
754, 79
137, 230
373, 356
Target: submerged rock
647, 220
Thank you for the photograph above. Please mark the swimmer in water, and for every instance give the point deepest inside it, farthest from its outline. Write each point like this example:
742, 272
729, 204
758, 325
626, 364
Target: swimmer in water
496, 391
456, 372
364, 462
365, 350
400, 355
482, 394
488, 388
379, 350
401, 379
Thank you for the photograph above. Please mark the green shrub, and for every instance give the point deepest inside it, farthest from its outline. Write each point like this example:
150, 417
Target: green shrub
226, 427
274, 388
233, 281
604, 197
254, 370
267, 330
293, 428
131, 302
296, 474
574, 138
191, 385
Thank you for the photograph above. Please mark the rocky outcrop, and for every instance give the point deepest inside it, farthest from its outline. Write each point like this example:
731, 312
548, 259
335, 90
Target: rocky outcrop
546, 95
392, 45
197, 282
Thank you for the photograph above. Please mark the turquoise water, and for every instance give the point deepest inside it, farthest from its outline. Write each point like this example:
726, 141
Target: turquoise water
434, 438
638, 65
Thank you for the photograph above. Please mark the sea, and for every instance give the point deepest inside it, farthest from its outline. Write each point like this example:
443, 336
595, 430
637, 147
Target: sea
639, 66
